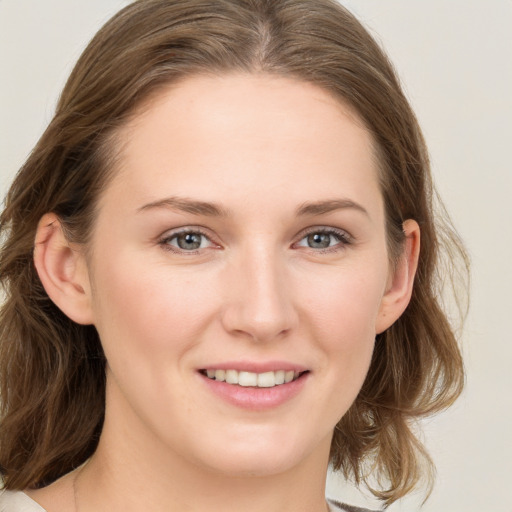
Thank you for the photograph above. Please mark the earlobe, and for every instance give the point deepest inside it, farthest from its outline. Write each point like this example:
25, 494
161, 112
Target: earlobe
400, 286
62, 270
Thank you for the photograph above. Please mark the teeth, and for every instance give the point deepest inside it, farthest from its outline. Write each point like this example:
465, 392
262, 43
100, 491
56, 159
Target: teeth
231, 376
260, 380
247, 379
266, 380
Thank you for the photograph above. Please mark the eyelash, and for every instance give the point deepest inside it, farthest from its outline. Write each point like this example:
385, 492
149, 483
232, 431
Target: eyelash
165, 242
344, 239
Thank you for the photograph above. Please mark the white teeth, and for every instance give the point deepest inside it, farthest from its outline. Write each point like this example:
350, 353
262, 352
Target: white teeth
266, 380
246, 379
231, 376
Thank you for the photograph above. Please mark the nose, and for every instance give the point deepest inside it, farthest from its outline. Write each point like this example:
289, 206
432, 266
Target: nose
259, 302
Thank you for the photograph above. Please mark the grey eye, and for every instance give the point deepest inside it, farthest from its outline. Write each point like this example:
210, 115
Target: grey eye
326, 238
319, 240
189, 241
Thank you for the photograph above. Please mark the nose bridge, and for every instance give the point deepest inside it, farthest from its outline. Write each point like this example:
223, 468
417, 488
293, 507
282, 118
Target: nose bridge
259, 303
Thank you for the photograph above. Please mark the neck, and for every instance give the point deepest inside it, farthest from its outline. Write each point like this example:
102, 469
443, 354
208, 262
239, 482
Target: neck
108, 482
98, 491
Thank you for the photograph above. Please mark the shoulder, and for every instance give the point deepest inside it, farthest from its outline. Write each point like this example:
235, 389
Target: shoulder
336, 506
17, 501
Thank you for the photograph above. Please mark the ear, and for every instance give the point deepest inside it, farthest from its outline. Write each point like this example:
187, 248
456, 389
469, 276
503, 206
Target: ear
400, 284
62, 270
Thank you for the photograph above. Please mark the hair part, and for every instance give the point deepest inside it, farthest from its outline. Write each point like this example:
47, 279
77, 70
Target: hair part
52, 371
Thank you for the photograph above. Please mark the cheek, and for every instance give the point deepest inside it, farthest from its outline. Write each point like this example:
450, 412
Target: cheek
342, 316
346, 304
147, 307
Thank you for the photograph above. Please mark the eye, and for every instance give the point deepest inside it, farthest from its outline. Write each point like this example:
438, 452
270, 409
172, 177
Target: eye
186, 241
325, 239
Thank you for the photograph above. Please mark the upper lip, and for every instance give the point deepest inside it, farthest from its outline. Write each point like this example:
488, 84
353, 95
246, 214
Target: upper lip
256, 367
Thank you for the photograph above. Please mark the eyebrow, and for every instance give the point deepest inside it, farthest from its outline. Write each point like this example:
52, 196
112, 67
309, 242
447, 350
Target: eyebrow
214, 210
187, 205
331, 205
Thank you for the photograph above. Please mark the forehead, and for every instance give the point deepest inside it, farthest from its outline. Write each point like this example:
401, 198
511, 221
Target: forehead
247, 134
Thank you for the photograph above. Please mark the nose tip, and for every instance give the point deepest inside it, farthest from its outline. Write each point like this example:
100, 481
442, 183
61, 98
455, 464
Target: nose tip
260, 305
261, 326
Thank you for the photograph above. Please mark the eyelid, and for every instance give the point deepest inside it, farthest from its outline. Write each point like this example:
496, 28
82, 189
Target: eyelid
345, 237
173, 233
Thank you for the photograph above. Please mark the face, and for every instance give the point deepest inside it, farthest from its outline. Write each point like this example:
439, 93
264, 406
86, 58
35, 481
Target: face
241, 244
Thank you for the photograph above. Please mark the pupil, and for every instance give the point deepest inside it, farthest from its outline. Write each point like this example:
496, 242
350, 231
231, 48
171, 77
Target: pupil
189, 241
319, 240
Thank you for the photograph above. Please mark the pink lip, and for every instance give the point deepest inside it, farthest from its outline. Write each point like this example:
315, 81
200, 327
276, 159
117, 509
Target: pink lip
256, 367
253, 398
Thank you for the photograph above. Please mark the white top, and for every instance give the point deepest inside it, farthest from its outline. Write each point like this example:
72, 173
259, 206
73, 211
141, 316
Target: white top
18, 501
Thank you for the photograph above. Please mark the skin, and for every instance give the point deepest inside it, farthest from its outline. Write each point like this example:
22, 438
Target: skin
258, 289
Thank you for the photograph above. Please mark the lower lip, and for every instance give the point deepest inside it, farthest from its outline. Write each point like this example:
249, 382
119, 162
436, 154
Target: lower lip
254, 398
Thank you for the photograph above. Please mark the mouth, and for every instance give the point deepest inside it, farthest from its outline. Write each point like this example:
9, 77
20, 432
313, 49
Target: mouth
242, 378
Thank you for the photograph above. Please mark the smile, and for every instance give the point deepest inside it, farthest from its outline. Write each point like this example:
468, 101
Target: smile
249, 379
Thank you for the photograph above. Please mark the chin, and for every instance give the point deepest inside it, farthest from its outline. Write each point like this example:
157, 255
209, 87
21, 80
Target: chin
255, 467
262, 459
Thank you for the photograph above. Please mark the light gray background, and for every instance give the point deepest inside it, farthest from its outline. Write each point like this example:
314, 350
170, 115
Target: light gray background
455, 58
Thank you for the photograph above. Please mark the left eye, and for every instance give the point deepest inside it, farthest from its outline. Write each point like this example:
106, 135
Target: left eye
188, 241
322, 240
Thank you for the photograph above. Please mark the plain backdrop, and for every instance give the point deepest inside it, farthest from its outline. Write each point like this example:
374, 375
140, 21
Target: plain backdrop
455, 59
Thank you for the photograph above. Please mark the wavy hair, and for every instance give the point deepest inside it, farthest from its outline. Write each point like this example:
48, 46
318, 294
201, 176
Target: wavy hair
52, 371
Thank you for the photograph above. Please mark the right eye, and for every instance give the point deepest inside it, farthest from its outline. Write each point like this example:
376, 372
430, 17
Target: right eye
186, 241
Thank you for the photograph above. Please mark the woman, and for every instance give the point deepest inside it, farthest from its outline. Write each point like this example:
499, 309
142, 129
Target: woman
213, 273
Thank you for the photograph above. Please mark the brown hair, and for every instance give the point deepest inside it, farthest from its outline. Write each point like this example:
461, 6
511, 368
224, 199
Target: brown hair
52, 377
